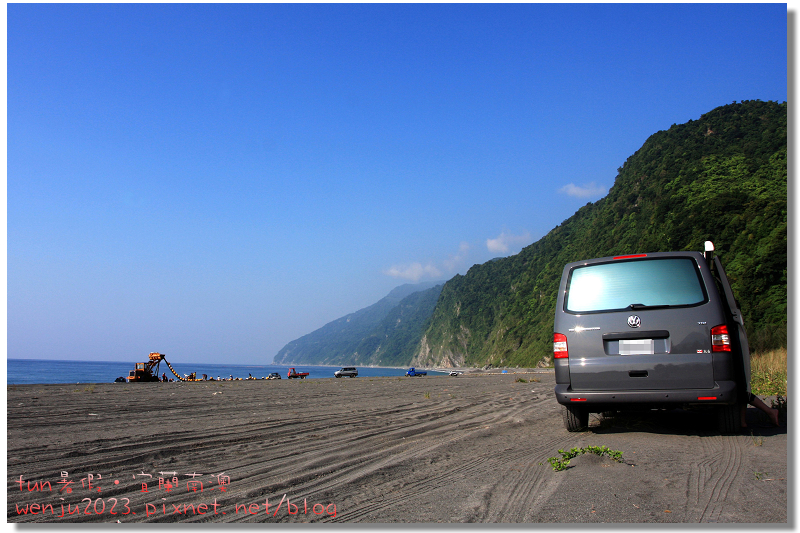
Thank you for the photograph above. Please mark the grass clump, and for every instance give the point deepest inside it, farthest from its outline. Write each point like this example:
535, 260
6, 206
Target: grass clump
768, 373
562, 463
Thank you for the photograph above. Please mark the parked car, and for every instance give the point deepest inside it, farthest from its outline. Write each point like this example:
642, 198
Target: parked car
274, 375
655, 330
347, 371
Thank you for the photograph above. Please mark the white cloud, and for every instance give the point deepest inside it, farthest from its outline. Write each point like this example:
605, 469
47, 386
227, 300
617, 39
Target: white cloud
586, 191
417, 271
503, 242
453, 262
414, 271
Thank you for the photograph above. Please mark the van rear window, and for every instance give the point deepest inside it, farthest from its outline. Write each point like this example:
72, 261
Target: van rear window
647, 282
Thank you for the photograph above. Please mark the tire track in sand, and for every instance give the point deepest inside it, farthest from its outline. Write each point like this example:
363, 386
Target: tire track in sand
712, 479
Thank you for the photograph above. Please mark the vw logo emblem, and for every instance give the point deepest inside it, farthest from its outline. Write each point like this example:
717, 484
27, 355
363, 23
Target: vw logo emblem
634, 321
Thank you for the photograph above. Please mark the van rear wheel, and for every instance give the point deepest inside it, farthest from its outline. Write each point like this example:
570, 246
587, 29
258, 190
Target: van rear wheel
729, 419
575, 418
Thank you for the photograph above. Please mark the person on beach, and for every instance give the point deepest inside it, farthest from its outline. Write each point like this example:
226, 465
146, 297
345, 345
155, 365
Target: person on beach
756, 402
745, 394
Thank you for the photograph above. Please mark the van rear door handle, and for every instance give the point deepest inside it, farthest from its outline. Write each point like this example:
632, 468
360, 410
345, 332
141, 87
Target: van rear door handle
638, 373
625, 335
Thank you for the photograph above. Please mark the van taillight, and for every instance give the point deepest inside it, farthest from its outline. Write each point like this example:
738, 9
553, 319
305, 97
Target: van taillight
560, 346
720, 340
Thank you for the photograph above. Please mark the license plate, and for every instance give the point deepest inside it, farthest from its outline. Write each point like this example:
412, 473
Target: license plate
636, 347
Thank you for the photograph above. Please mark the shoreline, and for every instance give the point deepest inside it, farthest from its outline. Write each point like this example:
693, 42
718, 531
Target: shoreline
124, 367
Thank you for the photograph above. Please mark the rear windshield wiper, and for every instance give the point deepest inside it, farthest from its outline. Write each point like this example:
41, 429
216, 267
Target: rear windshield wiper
643, 306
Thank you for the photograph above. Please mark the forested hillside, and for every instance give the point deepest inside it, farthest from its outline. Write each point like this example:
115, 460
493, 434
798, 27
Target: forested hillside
722, 177
393, 341
385, 333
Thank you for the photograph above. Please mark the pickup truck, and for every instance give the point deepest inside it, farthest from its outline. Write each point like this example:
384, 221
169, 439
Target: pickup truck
294, 374
412, 372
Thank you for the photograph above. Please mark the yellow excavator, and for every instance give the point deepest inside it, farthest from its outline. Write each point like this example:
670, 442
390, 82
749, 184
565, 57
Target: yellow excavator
148, 371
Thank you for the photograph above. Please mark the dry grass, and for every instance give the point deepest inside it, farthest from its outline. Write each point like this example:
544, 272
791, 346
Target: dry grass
768, 372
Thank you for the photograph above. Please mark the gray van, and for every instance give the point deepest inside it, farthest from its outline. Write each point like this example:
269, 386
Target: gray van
644, 331
347, 371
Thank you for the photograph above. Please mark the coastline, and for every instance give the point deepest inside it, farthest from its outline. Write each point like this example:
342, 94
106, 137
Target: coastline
57, 371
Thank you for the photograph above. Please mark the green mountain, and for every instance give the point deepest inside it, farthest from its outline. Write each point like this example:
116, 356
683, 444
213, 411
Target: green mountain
720, 178
385, 333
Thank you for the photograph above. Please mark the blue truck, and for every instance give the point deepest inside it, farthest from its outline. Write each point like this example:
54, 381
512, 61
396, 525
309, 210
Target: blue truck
412, 372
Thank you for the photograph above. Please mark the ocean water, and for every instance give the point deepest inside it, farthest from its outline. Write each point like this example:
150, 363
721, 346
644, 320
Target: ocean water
21, 371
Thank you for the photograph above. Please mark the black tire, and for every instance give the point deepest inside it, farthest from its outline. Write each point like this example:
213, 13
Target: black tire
575, 418
729, 419
338, 376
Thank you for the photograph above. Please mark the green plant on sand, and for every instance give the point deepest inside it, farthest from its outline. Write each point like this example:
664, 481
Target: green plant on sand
562, 463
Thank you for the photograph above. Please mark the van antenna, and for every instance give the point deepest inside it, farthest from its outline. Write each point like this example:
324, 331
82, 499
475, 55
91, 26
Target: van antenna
709, 248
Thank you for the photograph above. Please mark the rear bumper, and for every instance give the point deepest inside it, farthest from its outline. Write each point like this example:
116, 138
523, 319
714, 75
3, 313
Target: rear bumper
724, 393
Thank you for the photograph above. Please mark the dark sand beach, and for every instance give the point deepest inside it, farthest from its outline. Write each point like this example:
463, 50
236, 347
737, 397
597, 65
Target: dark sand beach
472, 448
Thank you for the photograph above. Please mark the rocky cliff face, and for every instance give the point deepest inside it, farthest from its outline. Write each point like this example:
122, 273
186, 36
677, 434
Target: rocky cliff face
441, 358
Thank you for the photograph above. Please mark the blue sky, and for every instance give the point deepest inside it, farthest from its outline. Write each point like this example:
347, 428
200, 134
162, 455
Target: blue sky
214, 181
